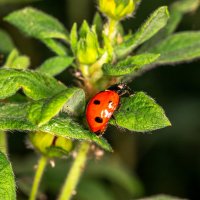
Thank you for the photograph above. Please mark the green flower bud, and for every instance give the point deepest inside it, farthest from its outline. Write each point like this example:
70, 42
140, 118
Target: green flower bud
50, 145
117, 9
88, 48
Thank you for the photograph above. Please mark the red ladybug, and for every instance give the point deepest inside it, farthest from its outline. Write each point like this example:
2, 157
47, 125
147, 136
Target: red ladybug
101, 107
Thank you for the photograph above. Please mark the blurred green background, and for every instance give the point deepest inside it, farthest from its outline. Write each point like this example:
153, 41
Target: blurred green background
166, 161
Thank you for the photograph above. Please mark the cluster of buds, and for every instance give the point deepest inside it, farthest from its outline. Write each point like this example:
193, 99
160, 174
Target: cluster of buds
87, 49
117, 9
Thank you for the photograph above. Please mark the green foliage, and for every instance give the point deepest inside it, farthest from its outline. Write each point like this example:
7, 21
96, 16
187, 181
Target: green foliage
173, 49
6, 44
140, 113
37, 24
34, 84
14, 117
100, 56
177, 11
55, 65
129, 65
41, 112
16, 61
7, 182
154, 23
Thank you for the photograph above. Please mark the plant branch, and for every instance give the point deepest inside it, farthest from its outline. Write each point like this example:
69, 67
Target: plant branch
3, 142
75, 172
38, 175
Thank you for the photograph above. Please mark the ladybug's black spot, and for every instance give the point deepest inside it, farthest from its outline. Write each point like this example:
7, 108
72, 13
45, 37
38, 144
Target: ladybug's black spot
98, 119
97, 102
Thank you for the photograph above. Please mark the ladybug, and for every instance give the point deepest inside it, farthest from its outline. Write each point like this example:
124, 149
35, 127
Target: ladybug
102, 106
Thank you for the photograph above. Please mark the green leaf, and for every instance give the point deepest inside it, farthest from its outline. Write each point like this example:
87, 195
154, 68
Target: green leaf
74, 37
7, 182
55, 46
129, 65
161, 197
140, 113
177, 11
41, 112
34, 84
6, 44
37, 24
154, 23
180, 47
21, 62
98, 22
55, 65
14, 117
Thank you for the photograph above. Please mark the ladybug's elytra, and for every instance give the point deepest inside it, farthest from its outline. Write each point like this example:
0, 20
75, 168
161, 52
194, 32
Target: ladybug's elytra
102, 106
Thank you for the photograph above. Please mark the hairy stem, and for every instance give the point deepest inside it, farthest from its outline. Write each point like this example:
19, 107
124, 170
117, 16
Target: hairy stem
3, 142
75, 172
38, 175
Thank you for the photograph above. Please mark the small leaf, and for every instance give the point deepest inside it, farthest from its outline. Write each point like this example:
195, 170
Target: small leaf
55, 65
140, 113
37, 24
7, 182
11, 58
154, 23
129, 65
74, 37
6, 44
13, 117
177, 10
21, 62
34, 84
55, 46
98, 22
180, 47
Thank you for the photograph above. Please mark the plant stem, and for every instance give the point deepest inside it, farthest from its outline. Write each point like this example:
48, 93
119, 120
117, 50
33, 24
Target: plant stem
112, 29
38, 175
3, 142
75, 172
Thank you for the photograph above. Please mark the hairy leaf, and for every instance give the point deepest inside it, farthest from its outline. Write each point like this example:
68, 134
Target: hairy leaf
14, 117
34, 84
55, 65
74, 38
37, 24
180, 47
129, 65
154, 23
7, 182
42, 111
6, 44
140, 113
162, 197
177, 11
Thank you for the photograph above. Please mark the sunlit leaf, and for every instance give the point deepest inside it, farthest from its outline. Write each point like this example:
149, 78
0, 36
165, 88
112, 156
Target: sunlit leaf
34, 84
154, 23
140, 113
37, 24
55, 65
129, 65
7, 182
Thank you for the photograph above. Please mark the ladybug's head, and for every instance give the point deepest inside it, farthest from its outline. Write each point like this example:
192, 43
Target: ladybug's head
120, 88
